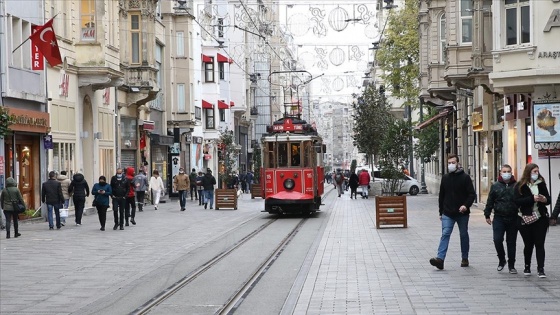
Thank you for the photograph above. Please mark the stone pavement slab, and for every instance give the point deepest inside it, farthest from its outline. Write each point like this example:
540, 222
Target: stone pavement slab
359, 269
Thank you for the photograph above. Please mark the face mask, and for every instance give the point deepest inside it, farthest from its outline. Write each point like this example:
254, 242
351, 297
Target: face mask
452, 167
506, 176
119, 175
182, 172
101, 182
534, 177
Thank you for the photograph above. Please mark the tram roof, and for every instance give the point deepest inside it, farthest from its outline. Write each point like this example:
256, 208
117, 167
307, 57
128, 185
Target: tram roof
284, 137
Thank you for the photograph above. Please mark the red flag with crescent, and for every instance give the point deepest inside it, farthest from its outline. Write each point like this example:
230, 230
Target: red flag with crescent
45, 40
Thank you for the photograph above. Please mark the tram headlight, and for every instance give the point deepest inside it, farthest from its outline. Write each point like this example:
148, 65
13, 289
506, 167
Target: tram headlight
289, 184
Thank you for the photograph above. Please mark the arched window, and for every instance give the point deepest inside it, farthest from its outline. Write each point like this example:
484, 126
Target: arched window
442, 39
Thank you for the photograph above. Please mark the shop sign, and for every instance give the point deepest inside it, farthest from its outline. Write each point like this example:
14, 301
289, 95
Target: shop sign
553, 20
553, 153
549, 54
546, 122
29, 120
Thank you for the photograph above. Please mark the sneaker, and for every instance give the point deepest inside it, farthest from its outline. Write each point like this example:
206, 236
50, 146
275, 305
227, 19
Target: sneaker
501, 265
540, 272
527, 271
437, 262
211, 208
155, 208
18, 235
132, 221
464, 263
513, 271
205, 206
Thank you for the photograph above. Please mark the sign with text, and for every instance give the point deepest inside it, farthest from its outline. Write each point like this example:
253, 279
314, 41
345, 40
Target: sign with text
545, 122
88, 34
37, 60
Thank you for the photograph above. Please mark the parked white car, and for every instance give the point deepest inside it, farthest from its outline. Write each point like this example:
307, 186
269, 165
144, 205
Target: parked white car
409, 185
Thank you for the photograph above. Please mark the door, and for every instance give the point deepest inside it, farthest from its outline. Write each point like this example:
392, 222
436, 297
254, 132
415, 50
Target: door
24, 168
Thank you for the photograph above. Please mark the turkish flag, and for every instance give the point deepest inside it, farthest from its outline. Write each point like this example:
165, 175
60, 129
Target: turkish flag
45, 40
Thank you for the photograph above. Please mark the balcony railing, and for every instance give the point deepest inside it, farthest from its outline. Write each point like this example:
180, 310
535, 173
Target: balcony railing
158, 102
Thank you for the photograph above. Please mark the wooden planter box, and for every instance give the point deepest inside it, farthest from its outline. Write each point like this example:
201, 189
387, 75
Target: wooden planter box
226, 198
256, 191
390, 210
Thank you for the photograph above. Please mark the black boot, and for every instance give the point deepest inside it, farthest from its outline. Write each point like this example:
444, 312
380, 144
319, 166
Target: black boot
7, 233
116, 226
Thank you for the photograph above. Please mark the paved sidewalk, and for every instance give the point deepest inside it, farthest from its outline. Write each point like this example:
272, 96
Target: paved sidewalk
359, 269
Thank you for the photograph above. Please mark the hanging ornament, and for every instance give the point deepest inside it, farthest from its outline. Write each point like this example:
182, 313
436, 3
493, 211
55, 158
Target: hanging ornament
321, 56
298, 24
362, 65
371, 31
354, 53
338, 84
325, 87
338, 19
365, 13
319, 28
337, 56
351, 81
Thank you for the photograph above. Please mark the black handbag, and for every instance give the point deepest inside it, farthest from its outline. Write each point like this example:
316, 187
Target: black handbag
17, 205
94, 203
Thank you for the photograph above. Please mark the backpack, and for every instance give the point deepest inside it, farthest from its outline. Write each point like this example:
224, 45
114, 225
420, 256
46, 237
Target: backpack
338, 178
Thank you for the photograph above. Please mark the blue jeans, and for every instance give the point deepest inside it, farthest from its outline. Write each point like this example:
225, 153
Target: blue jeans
447, 224
508, 226
50, 215
209, 197
182, 198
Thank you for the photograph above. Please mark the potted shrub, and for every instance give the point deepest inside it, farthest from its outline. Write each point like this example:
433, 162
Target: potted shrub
256, 188
28, 214
226, 197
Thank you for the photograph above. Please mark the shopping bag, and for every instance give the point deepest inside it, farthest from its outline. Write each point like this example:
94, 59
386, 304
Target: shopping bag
64, 213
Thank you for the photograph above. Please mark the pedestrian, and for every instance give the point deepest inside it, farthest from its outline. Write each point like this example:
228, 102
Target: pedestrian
101, 190
200, 187
51, 195
208, 182
249, 179
532, 197
140, 186
193, 187
364, 183
79, 190
130, 200
556, 210
65, 183
338, 181
156, 187
506, 220
353, 182
243, 182
181, 183
119, 189
9, 195
456, 196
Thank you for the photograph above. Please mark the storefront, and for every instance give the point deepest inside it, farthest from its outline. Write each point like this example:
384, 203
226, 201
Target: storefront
24, 154
159, 149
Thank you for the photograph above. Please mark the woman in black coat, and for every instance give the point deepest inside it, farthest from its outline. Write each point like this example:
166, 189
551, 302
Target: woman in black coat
79, 190
532, 197
353, 182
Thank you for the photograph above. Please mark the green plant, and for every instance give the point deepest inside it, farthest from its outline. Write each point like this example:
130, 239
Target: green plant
5, 121
30, 213
395, 150
428, 141
228, 156
257, 162
353, 166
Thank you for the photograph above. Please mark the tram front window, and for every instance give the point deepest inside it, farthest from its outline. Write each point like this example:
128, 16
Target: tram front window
282, 154
296, 157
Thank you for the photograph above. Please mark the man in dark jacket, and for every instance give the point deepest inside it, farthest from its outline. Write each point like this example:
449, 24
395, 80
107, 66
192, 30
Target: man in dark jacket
456, 196
51, 195
192, 179
79, 190
140, 184
208, 183
505, 219
119, 188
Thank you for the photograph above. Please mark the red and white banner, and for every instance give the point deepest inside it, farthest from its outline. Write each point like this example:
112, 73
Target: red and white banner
45, 40
37, 61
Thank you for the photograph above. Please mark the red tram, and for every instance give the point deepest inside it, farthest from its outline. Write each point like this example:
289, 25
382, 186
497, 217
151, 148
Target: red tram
292, 174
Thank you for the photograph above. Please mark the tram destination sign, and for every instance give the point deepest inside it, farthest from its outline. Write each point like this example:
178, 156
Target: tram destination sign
287, 125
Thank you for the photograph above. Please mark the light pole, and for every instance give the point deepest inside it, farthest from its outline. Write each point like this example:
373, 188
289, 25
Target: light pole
423, 189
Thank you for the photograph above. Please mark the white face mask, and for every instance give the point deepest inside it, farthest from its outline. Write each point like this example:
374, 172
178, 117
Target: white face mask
534, 177
506, 176
451, 167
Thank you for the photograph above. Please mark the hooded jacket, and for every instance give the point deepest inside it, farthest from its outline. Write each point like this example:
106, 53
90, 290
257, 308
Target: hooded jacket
51, 192
65, 183
364, 178
130, 178
354, 181
102, 199
500, 199
208, 181
78, 188
456, 190
10, 194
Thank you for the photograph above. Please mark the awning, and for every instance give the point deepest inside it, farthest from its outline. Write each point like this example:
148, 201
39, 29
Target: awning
222, 58
148, 125
222, 105
433, 119
206, 104
231, 104
207, 59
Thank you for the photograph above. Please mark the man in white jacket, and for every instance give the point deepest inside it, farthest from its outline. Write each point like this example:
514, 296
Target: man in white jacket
156, 187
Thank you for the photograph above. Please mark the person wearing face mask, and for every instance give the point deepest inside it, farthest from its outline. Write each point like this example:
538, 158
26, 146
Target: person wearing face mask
456, 196
181, 183
156, 187
532, 197
119, 188
505, 219
101, 191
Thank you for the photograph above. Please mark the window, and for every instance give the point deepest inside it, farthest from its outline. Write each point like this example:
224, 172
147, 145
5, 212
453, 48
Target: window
181, 98
209, 118
222, 115
295, 154
518, 22
197, 113
442, 40
282, 154
135, 38
87, 20
209, 70
158, 54
220, 27
466, 21
180, 44
221, 70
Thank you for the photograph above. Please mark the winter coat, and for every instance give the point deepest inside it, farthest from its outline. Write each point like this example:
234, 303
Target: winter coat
192, 178
101, 199
354, 181
208, 181
556, 208
500, 199
181, 182
130, 177
525, 199
119, 187
79, 188
10, 194
51, 192
140, 182
456, 190
339, 178
364, 178
200, 182
156, 183
65, 183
